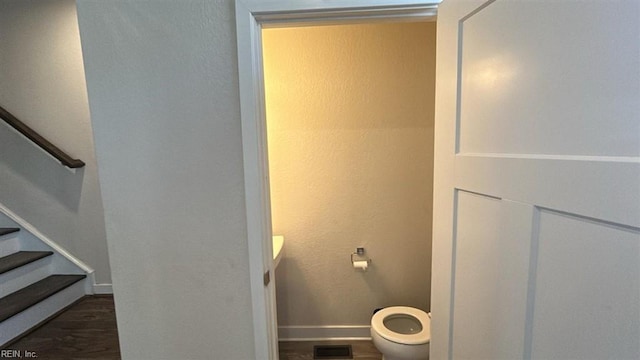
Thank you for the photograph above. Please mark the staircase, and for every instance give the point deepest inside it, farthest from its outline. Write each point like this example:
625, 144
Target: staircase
36, 281
38, 278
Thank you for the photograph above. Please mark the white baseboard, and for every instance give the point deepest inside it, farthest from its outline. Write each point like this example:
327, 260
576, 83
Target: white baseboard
101, 289
325, 332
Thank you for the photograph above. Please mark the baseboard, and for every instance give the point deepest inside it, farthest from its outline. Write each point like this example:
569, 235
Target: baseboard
325, 332
101, 289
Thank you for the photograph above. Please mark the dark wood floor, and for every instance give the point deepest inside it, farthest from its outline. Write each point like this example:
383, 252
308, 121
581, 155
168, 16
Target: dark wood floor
303, 350
87, 330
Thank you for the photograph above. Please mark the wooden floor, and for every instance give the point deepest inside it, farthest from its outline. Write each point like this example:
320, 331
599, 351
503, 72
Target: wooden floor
303, 350
87, 330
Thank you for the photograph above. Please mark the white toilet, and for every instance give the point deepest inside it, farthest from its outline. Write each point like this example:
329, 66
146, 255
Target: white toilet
401, 333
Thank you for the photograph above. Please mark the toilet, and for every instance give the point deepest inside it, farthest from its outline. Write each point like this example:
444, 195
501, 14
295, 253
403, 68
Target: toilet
401, 333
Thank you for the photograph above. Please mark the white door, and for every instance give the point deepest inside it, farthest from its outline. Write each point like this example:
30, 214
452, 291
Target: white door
537, 188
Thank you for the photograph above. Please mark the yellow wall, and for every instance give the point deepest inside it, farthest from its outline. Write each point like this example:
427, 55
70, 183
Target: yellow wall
350, 129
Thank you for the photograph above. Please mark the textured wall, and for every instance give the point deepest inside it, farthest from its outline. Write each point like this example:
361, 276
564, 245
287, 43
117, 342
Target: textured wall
163, 90
42, 83
350, 125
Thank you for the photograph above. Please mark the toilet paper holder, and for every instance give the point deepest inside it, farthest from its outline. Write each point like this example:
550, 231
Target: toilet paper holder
359, 255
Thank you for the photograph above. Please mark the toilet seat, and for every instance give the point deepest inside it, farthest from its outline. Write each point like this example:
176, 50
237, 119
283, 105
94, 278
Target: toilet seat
422, 337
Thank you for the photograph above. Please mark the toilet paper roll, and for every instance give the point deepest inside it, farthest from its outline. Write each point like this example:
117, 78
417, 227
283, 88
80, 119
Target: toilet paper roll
362, 265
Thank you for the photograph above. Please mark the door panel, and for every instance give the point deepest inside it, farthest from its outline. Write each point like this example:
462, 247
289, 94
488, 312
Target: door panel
495, 236
537, 182
537, 73
588, 290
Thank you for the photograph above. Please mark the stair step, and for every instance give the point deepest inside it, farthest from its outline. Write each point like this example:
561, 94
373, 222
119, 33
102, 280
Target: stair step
20, 258
23, 299
5, 231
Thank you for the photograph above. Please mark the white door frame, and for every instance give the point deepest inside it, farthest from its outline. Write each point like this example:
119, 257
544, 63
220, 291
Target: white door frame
251, 17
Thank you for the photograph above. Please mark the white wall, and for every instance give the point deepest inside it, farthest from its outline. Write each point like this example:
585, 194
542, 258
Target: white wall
350, 125
42, 83
163, 92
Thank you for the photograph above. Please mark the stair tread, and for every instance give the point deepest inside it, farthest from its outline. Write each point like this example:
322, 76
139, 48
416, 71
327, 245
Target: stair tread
24, 298
15, 260
5, 231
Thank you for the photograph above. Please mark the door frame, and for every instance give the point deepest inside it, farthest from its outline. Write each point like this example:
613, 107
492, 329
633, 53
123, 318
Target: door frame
251, 17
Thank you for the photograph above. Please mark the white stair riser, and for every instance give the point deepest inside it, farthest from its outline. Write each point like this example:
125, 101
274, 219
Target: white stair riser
25, 275
25, 241
8, 245
20, 323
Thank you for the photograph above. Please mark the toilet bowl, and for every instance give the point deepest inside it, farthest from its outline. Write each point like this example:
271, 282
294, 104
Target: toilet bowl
401, 333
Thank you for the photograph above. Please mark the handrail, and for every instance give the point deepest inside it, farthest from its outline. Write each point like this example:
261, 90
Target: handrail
37, 139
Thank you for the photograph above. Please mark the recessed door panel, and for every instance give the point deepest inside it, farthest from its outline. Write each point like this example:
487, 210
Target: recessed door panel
587, 297
551, 78
490, 277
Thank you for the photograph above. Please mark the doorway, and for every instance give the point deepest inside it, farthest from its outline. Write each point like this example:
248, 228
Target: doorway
251, 18
350, 112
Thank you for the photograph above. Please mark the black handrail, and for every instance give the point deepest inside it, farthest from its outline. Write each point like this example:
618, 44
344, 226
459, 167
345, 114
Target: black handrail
30, 134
